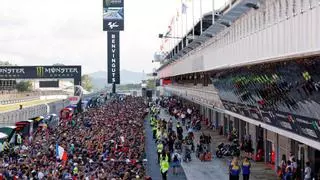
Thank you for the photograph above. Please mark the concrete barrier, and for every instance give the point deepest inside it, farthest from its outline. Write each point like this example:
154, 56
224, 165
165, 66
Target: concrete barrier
14, 101
11, 117
53, 97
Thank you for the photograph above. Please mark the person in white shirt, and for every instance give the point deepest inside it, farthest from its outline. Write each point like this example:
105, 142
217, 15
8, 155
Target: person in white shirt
291, 156
307, 171
176, 160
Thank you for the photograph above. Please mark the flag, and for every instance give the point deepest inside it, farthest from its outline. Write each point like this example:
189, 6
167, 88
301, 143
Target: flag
184, 8
61, 153
178, 15
161, 47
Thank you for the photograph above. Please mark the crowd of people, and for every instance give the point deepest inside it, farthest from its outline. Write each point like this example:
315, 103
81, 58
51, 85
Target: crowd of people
103, 143
289, 169
173, 145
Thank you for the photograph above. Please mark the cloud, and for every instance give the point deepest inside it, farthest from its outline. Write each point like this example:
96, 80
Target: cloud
70, 32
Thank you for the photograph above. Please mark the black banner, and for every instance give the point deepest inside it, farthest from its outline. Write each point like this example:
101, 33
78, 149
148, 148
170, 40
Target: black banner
113, 15
113, 58
41, 72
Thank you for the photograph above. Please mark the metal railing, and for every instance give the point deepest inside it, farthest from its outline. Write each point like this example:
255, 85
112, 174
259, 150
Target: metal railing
13, 98
205, 95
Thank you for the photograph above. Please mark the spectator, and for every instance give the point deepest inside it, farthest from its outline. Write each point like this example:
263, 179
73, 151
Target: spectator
307, 172
103, 143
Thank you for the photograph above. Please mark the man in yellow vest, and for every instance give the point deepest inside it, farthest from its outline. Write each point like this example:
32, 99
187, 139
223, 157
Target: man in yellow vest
159, 150
75, 170
164, 154
164, 167
158, 134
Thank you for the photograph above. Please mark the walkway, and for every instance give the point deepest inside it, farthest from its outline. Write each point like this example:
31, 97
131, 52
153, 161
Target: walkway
217, 168
153, 169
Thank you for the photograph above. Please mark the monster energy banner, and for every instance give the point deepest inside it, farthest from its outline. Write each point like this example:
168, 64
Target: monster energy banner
113, 58
41, 72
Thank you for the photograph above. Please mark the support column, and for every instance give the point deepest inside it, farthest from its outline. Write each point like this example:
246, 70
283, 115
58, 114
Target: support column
113, 88
277, 148
265, 136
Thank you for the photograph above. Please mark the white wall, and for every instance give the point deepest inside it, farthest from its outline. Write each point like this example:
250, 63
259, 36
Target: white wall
53, 97
276, 31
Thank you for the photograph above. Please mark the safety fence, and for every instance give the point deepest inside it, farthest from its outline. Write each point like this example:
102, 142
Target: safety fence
20, 100
202, 94
13, 98
11, 117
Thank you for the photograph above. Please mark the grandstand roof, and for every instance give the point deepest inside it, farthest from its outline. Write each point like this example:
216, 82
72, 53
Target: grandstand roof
224, 18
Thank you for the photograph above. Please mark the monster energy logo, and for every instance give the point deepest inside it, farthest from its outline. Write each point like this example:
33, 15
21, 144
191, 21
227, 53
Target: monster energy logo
40, 71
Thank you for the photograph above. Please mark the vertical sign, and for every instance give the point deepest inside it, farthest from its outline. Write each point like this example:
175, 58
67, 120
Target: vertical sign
113, 58
113, 15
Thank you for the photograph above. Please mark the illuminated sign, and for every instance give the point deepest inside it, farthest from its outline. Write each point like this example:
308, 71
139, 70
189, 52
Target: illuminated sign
113, 15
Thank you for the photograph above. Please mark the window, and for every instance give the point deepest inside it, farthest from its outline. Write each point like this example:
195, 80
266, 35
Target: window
280, 4
294, 7
264, 18
287, 8
275, 12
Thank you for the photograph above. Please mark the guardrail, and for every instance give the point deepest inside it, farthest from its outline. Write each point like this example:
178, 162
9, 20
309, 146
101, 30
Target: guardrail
203, 95
14, 101
11, 117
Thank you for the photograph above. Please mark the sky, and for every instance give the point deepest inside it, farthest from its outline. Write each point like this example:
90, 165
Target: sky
44, 32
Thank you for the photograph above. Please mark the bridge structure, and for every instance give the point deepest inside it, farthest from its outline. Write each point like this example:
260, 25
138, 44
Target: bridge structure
255, 67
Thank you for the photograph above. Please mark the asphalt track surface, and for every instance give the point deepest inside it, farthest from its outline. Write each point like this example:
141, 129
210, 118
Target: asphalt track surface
153, 169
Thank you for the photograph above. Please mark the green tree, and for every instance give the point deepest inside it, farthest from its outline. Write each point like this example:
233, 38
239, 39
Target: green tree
151, 84
24, 86
86, 82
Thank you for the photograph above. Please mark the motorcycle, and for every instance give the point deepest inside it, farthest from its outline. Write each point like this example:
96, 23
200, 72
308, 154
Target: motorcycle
228, 150
220, 150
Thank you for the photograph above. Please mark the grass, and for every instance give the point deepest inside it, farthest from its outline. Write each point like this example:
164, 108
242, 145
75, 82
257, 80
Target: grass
12, 107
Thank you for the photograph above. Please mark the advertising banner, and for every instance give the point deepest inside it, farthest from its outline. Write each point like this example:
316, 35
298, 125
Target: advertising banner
113, 15
113, 58
41, 72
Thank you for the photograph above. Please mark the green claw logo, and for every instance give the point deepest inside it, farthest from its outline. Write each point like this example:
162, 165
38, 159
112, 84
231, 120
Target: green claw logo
40, 71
